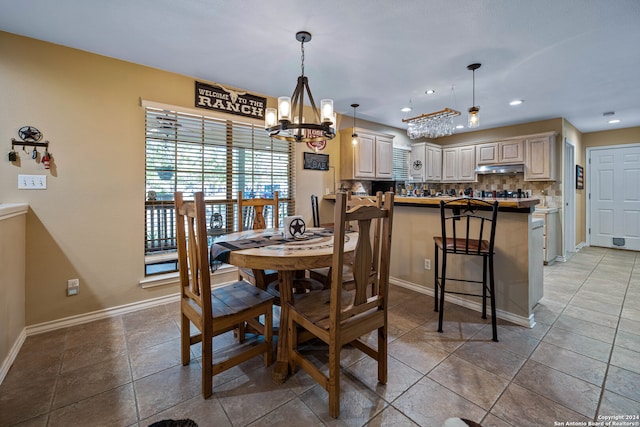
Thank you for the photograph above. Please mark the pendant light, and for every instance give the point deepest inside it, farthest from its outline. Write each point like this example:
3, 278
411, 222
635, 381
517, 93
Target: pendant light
354, 135
474, 118
287, 122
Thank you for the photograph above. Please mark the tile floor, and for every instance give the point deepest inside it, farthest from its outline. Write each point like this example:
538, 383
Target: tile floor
580, 362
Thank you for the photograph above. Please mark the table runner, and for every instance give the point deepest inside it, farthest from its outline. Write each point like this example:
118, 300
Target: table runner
220, 252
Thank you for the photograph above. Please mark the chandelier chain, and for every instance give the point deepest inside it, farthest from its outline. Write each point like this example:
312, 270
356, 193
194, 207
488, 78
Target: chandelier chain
302, 56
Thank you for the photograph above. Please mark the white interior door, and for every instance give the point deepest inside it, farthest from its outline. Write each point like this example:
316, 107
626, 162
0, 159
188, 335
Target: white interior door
615, 197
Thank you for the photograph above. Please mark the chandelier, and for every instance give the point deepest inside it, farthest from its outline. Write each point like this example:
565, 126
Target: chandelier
288, 121
432, 125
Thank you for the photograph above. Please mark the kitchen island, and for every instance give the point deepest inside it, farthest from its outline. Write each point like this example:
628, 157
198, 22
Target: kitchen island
518, 260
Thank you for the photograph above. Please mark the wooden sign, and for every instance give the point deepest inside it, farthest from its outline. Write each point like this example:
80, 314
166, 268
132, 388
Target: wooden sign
316, 161
229, 101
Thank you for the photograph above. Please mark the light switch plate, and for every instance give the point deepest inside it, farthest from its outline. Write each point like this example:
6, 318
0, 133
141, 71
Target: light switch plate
32, 182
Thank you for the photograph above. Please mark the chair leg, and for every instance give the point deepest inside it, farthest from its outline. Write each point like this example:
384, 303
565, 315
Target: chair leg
443, 280
334, 380
484, 287
207, 364
493, 299
268, 335
292, 342
185, 338
382, 355
435, 279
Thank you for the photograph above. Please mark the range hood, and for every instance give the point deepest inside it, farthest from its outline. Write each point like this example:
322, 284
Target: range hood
500, 169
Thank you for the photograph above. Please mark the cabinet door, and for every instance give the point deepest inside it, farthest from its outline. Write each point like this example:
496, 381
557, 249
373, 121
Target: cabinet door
384, 157
450, 164
488, 153
467, 163
540, 165
417, 163
434, 164
511, 152
364, 157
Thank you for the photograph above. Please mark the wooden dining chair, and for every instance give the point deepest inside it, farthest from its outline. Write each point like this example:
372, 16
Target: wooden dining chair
315, 213
323, 275
338, 316
219, 310
254, 209
468, 228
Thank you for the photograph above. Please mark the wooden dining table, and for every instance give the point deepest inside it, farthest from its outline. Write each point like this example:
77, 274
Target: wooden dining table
287, 256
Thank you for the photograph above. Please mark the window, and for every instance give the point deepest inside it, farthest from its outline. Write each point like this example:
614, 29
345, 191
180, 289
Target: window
218, 156
401, 163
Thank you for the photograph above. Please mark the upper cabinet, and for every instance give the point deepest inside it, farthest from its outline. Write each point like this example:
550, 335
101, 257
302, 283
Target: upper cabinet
425, 164
371, 158
434, 163
501, 152
459, 164
540, 157
418, 162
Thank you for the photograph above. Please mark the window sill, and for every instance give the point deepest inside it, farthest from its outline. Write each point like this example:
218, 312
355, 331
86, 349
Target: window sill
174, 278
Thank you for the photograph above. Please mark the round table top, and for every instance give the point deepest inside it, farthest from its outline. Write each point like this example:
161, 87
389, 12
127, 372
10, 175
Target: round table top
314, 251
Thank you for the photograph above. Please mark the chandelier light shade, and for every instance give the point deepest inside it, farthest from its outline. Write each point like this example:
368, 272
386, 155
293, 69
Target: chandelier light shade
287, 122
474, 110
354, 135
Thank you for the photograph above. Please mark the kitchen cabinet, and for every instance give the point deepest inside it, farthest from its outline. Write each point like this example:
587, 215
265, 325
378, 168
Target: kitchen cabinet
371, 158
425, 162
501, 152
540, 158
418, 162
434, 163
459, 164
551, 236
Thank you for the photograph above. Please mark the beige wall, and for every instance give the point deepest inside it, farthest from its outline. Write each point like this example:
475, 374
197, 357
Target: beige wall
12, 272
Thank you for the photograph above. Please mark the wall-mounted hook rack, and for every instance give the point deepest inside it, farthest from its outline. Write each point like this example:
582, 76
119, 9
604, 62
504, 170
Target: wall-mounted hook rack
15, 142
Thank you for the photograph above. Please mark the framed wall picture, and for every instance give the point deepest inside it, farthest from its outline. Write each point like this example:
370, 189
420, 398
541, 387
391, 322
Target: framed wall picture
579, 177
316, 161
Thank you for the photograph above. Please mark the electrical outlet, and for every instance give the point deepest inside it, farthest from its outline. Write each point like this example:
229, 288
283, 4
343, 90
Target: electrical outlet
73, 287
427, 264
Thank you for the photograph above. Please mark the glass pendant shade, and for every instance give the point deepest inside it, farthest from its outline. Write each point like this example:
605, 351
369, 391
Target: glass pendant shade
284, 108
326, 110
474, 117
270, 117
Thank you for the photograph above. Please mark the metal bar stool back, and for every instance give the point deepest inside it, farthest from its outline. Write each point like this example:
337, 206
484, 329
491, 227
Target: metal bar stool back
468, 230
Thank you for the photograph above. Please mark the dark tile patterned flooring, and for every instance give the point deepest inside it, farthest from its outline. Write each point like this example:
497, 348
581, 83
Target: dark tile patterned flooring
580, 362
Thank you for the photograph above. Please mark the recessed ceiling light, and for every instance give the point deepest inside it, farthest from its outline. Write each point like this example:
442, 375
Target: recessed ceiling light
406, 109
460, 127
430, 92
516, 102
614, 121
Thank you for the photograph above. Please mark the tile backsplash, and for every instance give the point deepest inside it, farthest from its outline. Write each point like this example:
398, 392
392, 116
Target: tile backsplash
551, 190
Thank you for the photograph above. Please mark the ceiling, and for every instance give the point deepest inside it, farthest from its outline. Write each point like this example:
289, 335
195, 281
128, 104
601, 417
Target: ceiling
565, 58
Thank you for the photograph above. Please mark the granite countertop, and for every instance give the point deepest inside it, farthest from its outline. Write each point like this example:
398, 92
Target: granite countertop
525, 204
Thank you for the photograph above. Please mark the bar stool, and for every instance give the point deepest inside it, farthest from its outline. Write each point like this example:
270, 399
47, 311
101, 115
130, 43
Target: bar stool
468, 229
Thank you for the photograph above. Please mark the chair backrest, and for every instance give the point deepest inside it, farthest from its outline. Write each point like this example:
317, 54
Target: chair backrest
315, 213
193, 261
254, 208
353, 201
469, 221
368, 217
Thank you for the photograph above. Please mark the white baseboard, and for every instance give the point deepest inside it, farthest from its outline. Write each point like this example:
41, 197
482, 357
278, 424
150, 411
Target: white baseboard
11, 357
528, 322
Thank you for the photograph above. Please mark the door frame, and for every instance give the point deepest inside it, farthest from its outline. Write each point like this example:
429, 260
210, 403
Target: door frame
569, 201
